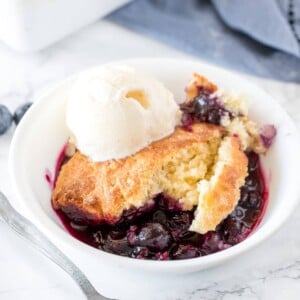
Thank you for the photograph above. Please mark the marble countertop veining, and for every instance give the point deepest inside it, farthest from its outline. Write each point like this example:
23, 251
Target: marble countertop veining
270, 271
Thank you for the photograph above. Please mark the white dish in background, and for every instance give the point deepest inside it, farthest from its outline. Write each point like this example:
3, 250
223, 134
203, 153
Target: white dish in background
30, 25
42, 133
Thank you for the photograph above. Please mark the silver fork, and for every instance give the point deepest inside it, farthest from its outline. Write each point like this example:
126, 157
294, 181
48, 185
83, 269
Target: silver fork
29, 232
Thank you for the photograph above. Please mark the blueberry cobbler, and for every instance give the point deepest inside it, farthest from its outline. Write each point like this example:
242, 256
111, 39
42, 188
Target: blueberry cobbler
195, 189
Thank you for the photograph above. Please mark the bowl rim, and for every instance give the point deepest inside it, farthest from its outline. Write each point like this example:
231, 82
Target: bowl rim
60, 236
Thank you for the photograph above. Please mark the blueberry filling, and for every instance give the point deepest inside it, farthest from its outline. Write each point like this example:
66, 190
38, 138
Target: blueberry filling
20, 112
205, 107
160, 231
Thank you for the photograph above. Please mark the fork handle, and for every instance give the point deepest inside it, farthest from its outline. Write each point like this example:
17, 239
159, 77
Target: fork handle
29, 232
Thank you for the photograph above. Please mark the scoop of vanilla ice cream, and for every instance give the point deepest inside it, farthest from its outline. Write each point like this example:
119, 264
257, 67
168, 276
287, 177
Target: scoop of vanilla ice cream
115, 111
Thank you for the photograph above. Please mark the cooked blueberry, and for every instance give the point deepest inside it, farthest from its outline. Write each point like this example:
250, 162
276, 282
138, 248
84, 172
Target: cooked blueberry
20, 112
253, 161
186, 235
253, 200
117, 234
154, 236
98, 238
179, 225
186, 251
187, 120
252, 184
211, 242
131, 235
251, 216
140, 252
231, 230
238, 213
5, 119
214, 117
268, 133
181, 221
118, 246
202, 105
162, 255
244, 197
159, 216
203, 108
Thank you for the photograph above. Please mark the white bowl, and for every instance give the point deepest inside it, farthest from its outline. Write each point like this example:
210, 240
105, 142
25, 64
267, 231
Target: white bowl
42, 133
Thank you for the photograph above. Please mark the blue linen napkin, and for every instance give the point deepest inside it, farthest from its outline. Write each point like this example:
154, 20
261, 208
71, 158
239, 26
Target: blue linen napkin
259, 37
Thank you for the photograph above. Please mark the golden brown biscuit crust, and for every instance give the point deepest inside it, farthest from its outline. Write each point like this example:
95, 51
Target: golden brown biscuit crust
102, 191
220, 193
198, 81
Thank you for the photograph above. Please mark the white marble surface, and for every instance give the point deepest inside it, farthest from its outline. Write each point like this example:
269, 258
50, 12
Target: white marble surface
271, 271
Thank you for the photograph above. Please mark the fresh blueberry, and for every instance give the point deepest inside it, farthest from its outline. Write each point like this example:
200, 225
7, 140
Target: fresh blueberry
6, 119
20, 112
